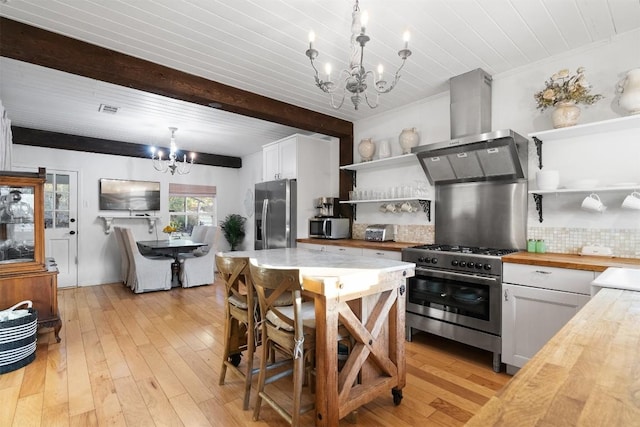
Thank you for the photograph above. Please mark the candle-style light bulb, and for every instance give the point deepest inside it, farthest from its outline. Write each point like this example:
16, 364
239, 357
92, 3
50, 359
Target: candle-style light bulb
327, 69
406, 37
364, 20
312, 38
380, 70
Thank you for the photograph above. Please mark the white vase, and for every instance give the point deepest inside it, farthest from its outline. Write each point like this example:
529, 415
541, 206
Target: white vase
565, 114
367, 149
408, 139
384, 149
629, 89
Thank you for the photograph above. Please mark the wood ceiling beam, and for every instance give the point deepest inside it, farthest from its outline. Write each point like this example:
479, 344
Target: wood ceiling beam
63, 141
34, 45
26, 43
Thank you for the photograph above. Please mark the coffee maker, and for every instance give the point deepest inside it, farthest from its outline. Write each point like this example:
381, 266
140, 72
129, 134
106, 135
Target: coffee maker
327, 207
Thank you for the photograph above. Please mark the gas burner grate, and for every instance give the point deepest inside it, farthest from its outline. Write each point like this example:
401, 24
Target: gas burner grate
474, 250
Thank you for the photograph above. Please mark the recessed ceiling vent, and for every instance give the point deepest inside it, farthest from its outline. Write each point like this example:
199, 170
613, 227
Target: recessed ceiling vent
110, 109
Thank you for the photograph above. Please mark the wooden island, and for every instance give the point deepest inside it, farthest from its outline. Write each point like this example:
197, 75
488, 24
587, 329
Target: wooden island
368, 296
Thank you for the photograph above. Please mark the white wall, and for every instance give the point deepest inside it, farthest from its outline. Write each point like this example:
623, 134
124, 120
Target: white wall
98, 258
610, 160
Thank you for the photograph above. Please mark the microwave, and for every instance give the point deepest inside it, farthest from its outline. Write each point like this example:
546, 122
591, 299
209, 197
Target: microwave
329, 228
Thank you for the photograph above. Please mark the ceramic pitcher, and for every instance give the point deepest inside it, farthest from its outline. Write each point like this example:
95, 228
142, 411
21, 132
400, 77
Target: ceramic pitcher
629, 89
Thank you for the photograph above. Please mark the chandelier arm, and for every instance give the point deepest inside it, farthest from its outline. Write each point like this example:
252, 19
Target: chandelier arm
366, 98
396, 77
333, 104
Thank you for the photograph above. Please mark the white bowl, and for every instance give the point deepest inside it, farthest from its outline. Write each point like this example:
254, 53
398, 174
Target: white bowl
547, 179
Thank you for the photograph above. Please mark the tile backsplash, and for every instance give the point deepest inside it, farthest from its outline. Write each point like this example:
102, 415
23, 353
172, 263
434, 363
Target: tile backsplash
412, 233
624, 243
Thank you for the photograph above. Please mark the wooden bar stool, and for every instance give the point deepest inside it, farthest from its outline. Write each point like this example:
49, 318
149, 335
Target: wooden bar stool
239, 326
287, 330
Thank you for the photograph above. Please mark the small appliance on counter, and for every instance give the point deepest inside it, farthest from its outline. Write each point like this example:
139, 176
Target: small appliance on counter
327, 207
329, 228
379, 233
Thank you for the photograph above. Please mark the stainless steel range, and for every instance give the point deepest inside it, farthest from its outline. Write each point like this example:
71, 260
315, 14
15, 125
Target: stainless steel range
456, 294
480, 203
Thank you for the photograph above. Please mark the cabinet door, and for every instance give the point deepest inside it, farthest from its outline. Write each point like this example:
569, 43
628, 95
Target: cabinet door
270, 162
394, 255
344, 249
531, 316
288, 152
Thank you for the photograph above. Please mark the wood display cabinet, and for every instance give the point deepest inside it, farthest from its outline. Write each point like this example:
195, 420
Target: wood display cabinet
25, 274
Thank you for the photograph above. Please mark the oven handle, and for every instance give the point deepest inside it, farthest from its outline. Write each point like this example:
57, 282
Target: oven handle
450, 274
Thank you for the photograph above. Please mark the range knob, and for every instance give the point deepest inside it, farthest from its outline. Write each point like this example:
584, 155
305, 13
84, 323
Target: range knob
487, 266
471, 264
463, 263
434, 260
421, 259
478, 265
454, 262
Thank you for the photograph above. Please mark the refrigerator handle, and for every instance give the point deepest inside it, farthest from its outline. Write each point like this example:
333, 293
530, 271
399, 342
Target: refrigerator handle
265, 231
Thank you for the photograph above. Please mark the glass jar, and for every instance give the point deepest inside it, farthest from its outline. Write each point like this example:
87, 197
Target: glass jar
531, 245
541, 247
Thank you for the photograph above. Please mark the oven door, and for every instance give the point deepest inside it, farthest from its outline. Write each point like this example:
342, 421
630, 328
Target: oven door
457, 298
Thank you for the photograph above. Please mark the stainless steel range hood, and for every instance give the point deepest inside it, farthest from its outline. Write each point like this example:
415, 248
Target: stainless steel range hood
474, 153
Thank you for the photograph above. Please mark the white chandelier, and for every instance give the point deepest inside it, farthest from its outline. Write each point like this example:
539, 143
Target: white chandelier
172, 164
354, 79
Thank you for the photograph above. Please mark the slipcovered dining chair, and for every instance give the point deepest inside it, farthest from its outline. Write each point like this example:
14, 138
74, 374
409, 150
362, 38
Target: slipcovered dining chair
146, 273
287, 330
124, 258
198, 267
239, 325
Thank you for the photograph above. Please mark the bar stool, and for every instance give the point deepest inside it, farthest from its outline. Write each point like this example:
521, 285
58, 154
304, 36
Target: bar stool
239, 326
289, 330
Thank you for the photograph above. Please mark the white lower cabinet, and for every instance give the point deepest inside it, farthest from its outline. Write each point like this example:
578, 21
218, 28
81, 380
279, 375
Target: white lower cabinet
395, 255
535, 306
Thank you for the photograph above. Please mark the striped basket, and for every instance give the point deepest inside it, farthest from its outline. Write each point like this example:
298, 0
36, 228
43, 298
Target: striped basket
17, 338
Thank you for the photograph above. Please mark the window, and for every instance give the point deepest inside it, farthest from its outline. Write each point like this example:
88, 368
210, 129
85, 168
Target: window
191, 205
56, 201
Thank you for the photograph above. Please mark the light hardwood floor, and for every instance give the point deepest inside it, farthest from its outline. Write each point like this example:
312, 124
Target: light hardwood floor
154, 358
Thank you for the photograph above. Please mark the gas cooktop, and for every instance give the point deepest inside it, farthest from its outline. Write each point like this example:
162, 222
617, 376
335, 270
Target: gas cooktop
473, 250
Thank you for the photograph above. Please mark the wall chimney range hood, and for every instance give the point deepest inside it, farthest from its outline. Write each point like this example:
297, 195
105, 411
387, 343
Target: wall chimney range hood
474, 153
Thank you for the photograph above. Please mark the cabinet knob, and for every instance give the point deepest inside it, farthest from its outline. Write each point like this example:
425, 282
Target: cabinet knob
72, 232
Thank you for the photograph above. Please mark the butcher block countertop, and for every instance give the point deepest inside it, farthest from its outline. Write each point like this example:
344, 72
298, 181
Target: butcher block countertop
576, 262
587, 374
357, 243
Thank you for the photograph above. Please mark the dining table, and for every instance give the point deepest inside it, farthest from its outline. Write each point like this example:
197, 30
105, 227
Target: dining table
172, 247
366, 295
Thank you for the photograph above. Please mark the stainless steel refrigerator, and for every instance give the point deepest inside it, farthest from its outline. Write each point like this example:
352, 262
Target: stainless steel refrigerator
275, 209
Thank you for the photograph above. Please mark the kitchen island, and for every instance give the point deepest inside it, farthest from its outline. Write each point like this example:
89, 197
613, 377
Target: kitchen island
368, 296
587, 374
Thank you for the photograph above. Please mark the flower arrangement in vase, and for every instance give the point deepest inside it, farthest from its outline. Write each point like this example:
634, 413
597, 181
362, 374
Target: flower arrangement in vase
563, 91
170, 229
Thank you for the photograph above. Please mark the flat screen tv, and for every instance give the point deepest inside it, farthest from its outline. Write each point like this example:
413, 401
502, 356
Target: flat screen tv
127, 195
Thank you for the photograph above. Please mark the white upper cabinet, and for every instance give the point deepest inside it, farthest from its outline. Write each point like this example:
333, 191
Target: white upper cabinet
280, 159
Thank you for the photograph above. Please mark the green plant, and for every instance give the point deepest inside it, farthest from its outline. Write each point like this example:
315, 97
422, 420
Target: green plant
233, 229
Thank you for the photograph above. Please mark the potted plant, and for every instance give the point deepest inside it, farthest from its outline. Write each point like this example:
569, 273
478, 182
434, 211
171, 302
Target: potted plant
233, 229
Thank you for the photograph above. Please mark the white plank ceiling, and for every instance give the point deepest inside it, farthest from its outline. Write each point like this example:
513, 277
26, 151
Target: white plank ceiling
259, 45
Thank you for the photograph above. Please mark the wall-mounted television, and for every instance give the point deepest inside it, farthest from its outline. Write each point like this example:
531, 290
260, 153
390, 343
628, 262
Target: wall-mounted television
128, 195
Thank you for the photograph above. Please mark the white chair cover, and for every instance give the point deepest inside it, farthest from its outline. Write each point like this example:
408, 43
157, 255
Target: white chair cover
124, 258
200, 270
146, 273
